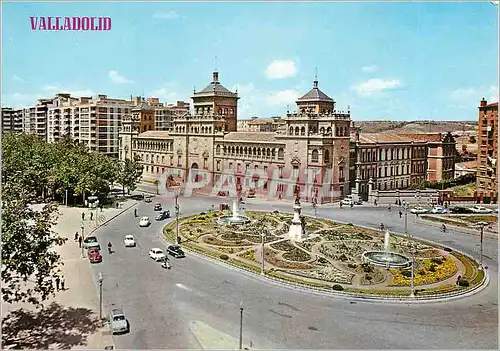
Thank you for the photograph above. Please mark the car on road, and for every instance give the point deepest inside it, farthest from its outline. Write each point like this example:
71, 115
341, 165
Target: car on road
439, 210
129, 241
460, 209
158, 207
418, 210
144, 222
119, 323
347, 202
480, 209
176, 251
163, 215
94, 255
156, 254
91, 241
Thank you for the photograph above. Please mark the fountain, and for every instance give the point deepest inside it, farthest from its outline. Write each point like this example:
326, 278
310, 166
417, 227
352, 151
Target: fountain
297, 228
386, 258
235, 218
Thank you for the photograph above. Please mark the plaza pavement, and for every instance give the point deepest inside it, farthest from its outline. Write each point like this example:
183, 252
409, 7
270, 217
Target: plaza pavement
77, 307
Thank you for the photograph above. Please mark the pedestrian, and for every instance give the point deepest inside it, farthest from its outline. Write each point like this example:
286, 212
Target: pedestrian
100, 205
375, 202
91, 215
76, 236
62, 284
83, 216
135, 212
340, 204
80, 239
400, 214
58, 280
117, 204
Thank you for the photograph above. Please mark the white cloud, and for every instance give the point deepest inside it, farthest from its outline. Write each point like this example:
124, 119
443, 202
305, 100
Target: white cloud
283, 97
164, 94
376, 85
117, 78
17, 78
166, 15
371, 68
279, 69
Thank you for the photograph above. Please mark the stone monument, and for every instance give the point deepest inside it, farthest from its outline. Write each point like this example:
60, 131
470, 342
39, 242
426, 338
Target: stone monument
297, 230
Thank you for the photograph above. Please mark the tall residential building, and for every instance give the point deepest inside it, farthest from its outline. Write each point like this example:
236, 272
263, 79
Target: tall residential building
12, 120
387, 161
487, 156
35, 119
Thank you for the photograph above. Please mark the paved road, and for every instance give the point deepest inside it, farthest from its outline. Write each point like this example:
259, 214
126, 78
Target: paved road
163, 306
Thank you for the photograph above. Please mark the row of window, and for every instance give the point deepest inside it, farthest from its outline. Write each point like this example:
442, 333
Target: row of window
220, 111
250, 151
339, 131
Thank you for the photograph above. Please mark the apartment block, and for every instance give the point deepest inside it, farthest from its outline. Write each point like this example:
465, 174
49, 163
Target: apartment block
487, 166
386, 161
12, 120
35, 118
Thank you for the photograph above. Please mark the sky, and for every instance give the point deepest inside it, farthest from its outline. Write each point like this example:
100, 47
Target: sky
385, 61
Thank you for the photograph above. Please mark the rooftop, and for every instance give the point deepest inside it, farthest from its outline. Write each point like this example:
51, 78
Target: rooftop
250, 136
215, 88
154, 134
315, 94
402, 138
467, 165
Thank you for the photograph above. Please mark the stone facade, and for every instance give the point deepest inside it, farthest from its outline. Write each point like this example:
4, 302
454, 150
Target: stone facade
487, 156
313, 143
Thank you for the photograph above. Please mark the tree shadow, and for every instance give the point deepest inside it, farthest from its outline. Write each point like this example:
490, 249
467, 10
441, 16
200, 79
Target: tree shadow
53, 326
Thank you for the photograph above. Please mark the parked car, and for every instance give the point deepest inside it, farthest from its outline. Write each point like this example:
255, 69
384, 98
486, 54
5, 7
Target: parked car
156, 254
347, 202
176, 251
418, 210
480, 209
144, 222
129, 241
439, 210
158, 207
119, 323
91, 241
94, 255
359, 202
163, 215
460, 209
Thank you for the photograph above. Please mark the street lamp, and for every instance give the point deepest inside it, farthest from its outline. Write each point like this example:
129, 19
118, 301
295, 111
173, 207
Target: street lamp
406, 206
100, 295
262, 235
241, 325
83, 236
315, 209
177, 218
481, 226
412, 279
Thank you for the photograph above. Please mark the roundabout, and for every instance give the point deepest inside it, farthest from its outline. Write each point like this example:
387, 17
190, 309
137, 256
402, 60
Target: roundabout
330, 256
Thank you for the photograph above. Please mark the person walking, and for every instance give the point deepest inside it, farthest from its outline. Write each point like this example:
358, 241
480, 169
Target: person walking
83, 216
58, 280
91, 215
76, 236
62, 284
80, 239
135, 212
400, 214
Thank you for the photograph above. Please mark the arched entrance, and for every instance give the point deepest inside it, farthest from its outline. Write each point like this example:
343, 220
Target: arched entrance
195, 177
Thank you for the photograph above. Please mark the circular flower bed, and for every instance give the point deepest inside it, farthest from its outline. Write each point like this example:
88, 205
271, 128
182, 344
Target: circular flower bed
428, 271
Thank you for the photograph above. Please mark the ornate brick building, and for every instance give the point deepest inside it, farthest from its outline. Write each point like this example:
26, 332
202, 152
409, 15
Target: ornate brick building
487, 156
312, 146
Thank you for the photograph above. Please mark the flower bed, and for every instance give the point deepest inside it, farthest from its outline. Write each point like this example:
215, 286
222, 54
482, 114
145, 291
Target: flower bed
328, 273
248, 255
296, 254
424, 274
285, 245
258, 239
212, 240
271, 257
231, 249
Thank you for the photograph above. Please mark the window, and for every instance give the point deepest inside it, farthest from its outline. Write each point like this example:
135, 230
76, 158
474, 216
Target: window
281, 154
315, 156
326, 156
230, 165
218, 165
217, 150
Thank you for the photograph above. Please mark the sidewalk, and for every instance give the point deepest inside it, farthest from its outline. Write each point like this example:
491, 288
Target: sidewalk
70, 319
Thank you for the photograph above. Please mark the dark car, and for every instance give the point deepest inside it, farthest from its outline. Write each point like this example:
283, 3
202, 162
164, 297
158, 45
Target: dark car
163, 215
359, 202
176, 251
157, 207
460, 209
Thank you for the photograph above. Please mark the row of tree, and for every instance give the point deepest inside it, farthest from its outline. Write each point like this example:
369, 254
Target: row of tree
446, 183
32, 168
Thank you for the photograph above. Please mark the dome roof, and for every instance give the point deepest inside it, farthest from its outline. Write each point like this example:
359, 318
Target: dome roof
215, 88
315, 94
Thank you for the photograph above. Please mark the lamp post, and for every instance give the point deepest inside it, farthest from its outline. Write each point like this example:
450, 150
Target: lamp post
177, 218
406, 218
241, 325
262, 235
100, 295
412, 279
315, 209
481, 226
83, 236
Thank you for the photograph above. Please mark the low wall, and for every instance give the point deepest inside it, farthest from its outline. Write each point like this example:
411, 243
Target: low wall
409, 196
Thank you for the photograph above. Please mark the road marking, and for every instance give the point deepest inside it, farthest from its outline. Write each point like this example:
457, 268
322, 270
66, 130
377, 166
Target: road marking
182, 286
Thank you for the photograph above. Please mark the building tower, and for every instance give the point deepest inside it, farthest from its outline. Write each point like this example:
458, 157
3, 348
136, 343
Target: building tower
218, 100
129, 129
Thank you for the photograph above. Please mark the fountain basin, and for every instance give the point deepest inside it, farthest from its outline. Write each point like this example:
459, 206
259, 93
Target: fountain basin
385, 258
239, 219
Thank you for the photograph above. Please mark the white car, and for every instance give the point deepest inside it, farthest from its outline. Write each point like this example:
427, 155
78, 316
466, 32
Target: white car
346, 201
439, 210
156, 254
480, 209
418, 210
129, 241
144, 222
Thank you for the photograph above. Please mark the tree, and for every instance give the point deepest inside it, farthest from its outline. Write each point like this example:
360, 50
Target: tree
130, 174
472, 139
28, 256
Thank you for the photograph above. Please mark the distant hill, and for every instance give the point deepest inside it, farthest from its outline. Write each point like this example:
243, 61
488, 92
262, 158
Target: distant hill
455, 127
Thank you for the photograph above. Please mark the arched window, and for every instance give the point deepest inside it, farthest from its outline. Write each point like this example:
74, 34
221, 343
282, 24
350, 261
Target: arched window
291, 130
303, 131
219, 111
326, 156
281, 154
322, 130
297, 130
329, 130
315, 156
232, 111
225, 111
217, 149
